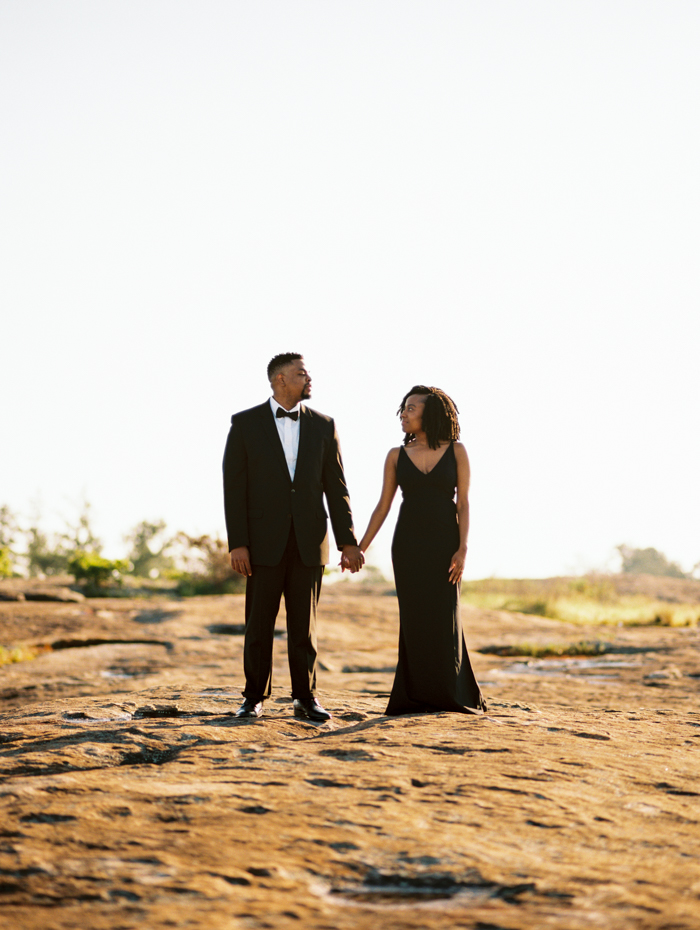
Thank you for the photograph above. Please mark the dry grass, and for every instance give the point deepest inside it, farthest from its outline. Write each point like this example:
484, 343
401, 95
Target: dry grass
607, 600
547, 650
20, 654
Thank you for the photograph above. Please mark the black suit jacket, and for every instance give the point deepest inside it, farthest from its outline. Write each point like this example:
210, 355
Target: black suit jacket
262, 502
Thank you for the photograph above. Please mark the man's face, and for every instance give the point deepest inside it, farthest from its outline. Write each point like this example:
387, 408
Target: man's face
297, 381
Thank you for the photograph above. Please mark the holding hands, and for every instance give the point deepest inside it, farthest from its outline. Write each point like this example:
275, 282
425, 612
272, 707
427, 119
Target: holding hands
352, 558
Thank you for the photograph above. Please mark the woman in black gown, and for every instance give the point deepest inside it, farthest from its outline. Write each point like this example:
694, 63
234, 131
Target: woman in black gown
428, 553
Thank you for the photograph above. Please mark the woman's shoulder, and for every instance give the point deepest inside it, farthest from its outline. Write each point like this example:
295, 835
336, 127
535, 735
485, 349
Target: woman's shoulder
444, 444
460, 452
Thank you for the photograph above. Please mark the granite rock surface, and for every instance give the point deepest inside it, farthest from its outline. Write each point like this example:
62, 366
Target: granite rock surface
131, 797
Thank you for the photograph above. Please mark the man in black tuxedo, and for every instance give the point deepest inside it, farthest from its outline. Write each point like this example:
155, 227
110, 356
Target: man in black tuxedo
281, 458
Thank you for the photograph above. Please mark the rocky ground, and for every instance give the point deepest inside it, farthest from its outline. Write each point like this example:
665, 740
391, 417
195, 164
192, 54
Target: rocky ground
131, 797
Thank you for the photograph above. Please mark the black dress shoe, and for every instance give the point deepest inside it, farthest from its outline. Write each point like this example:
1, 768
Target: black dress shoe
250, 708
310, 708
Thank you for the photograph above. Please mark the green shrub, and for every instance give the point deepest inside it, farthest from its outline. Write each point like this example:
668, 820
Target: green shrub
94, 571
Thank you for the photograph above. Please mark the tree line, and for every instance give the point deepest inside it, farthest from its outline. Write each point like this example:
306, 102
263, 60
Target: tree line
652, 562
193, 564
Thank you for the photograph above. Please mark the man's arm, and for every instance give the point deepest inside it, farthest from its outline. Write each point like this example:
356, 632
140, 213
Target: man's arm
235, 469
338, 498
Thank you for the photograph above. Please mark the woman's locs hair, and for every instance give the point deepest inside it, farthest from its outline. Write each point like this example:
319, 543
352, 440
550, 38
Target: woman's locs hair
440, 420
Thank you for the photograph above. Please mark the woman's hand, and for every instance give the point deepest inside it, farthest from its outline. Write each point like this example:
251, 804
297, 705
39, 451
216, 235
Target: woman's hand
457, 566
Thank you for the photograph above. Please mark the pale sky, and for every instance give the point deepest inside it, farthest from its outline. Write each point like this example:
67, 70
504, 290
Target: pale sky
498, 197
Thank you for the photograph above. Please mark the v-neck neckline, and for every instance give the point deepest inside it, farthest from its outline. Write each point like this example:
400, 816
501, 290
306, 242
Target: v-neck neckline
426, 473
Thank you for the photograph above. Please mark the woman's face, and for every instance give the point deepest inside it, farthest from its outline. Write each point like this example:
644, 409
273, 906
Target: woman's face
412, 413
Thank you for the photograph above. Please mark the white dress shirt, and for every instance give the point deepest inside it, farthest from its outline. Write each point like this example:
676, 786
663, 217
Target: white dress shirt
288, 430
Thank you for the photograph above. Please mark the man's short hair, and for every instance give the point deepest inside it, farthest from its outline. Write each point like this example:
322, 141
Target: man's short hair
279, 362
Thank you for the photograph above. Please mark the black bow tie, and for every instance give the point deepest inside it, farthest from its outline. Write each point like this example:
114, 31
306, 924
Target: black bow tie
281, 412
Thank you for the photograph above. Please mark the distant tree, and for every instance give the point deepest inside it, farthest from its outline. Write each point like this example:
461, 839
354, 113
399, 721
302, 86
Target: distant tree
79, 536
148, 549
50, 554
9, 528
648, 562
205, 566
45, 556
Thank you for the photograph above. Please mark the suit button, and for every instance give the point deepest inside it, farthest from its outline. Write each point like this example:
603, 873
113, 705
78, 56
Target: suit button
293, 490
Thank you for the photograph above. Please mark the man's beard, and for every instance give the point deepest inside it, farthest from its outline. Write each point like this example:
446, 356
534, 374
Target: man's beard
306, 392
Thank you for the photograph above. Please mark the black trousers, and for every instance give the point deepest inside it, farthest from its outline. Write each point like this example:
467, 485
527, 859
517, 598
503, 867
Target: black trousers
301, 586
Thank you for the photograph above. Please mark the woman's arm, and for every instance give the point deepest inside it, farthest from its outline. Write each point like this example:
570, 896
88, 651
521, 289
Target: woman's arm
463, 477
380, 512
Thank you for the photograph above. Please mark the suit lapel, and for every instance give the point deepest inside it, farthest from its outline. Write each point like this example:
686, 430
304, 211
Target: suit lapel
273, 437
305, 438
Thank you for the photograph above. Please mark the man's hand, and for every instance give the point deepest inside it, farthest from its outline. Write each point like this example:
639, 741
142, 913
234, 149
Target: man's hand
240, 561
352, 559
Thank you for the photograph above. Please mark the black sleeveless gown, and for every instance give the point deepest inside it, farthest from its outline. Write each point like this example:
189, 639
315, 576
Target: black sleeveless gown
433, 672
